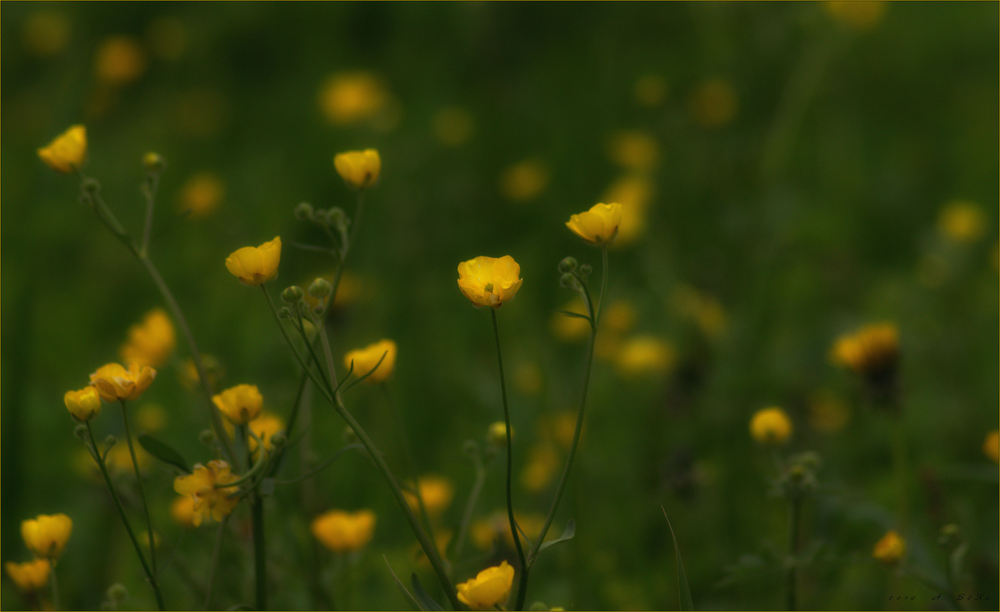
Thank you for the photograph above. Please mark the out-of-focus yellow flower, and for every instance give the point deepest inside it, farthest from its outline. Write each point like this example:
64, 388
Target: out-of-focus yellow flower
619, 317
962, 221
706, 312
167, 38
489, 281
496, 434
46, 534
644, 355
599, 225
359, 169
182, 510
543, 460
67, 151
489, 588
370, 357
453, 126
46, 33
342, 531
567, 328
562, 427
827, 413
29, 576
201, 194
857, 14
150, 341
436, 493
119, 60
771, 426
265, 427
348, 97
872, 350
119, 459
151, 418
890, 548
713, 103
83, 404
650, 90
524, 180
634, 193
634, 150
200, 485
241, 403
991, 446
255, 265
114, 382
482, 533
527, 377
188, 373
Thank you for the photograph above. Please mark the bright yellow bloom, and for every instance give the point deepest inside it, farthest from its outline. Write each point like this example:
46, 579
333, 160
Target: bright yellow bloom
348, 97
962, 221
46, 534
151, 341
201, 194
367, 358
359, 169
489, 281
489, 588
114, 382
436, 493
265, 427
633, 149
713, 103
599, 225
525, 180
858, 15
255, 265
241, 404
182, 510
453, 126
644, 355
871, 350
771, 426
342, 531
209, 501
31, 575
67, 151
119, 60
991, 446
890, 548
83, 404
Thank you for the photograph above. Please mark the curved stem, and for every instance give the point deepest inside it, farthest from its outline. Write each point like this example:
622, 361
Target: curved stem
142, 492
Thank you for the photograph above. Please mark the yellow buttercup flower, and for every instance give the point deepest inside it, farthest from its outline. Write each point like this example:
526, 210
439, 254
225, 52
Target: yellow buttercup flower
83, 404
46, 534
599, 225
182, 510
151, 341
489, 588
342, 531
367, 358
872, 350
962, 221
991, 446
67, 151
489, 281
241, 404
525, 180
114, 382
771, 426
201, 195
890, 548
119, 60
359, 169
255, 265
209, 502
644, 355
348, 97
31, 575
436, 493
265, 427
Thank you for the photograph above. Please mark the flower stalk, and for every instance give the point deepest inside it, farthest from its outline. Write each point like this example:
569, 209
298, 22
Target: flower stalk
142, 492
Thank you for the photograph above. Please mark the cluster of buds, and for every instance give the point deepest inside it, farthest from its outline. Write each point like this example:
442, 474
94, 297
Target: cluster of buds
333, 221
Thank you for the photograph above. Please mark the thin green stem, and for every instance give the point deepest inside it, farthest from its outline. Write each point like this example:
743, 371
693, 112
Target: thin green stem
604, 284
216, 554
121, 512
323, 386
149, 191
506, 417
259, 543
142, 492
54, 583
794, 516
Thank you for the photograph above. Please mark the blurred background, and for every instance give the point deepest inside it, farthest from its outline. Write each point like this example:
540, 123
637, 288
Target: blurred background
789, 173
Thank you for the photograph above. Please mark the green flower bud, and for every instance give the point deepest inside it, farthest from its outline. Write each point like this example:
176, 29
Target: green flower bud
586, 270
320, 288
568, 264
207, 437
291, 294
80, 431
303, 211
569, 281
110, 441
278, 440
117, 592
285, 312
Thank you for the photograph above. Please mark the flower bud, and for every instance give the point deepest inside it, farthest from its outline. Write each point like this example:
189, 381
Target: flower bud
320, 288
586, 270
285, 312
304, 211
568, 281
336, 216
278, 440
80, 431
91, 186
206, 437
110, 441
154, 162
291, 294
568, 264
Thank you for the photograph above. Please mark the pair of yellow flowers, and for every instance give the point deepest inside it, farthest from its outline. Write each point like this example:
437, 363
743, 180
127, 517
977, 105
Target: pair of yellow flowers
45, 536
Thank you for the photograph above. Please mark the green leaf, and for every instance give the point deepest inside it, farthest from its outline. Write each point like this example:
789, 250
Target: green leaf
164, 452
402, 587
568, 534
575, 314
426, 601
683, 589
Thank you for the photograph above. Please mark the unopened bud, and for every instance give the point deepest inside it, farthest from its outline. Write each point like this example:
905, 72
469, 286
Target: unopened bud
110, 441
320, 288
91, 186
278, 440
586, 270
291, 294
568, 281
568, 264
285, 312
80, 431
207, 437
117, 592
303, 211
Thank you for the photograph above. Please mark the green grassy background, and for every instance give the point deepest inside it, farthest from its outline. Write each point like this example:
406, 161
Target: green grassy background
870, 131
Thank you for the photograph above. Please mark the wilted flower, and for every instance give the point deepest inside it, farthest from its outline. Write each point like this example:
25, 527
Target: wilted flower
367, 358
991, 446
342, 531
359, 169
713, 103
525, 180
489, 281
348, 97
962, 221
255, 265
209, 501
201, 194
890, 548
114, 382
31, 575
119, 60
67, 151
241, 403
83, 404
46, 534
644, 354
151, 341
771, 426
599, 225
435, 492
489, 588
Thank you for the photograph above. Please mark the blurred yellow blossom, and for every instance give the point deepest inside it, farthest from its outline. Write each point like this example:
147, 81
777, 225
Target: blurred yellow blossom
114, 382
650, 90
255, 265
151, 418
890, 548
771, 426
67, 151
30, 575
188, 373
119, 60
359, 169
962, 221
371, 358
489, 281
540, 468
634, 193
453, 126
182, 510
201, 195
46, 534
524, 180
241, 403
489, 588
150, 341
46, 33
713, 103
568, 328
827, 413
209, 501
83, 404
435, 492
872, 350
342, 531
643, 355
991, 446
857, 14
619, 317
634, 150
561, 428
496, 433
119, 459
348, 97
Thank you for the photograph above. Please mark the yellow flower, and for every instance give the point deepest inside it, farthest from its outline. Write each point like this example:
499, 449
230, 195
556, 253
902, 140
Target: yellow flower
650, 90
857, 15
525, 180
489, 588
151, 341
453, 126
365, 359
890, 548
540, 468
619, 317
359, 169
208, 501
241, 404
713, 103
83, 404
634, 193
489, 281
872, 350
633, 149
31, 575
342, 531
67, 151
119, 459
255, 265
46, 534
265, 427
962, 221
991, 446
119, 60
643, 354
114, 382
348, 97
182, 510
436, 493
201, 194
771, 426
561, 427
599, 225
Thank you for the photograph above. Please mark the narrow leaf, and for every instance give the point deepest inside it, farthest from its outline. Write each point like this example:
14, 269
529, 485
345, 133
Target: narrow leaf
163, 452
568, 534
575, 314
683, 589
402, 587
426, 601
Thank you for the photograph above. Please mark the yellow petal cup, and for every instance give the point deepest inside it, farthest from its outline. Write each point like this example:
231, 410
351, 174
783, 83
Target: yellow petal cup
209, 502
29, 576
83, 404
366, 358
46, 535
890, 548
241, 404
342, 531
255, 265
489, 588
599, 225
770, 426
114, 382
359, 169
67, 151
489, 281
